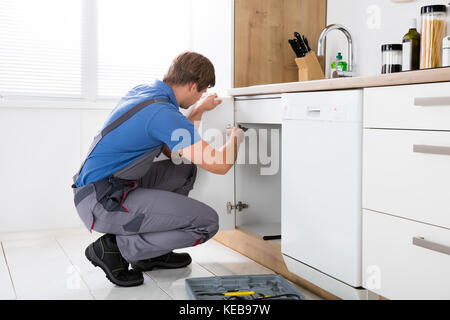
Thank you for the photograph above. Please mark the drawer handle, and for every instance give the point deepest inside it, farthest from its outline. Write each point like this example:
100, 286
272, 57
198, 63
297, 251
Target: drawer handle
421, 242
432, 101
422, 148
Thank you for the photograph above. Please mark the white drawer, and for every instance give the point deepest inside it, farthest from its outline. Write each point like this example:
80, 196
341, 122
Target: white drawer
407, 173
258, 111
423, 106
395, 267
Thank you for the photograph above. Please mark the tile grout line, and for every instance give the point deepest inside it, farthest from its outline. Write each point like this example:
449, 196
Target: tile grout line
9, 271
71, 262
90, 291
157, 284
204, 267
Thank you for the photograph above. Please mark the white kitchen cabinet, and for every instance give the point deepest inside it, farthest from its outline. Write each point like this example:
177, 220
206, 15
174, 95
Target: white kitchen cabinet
258, 183
249, 195
258, 109
212, 189
407, 174
406, 221
405, 259
418, 106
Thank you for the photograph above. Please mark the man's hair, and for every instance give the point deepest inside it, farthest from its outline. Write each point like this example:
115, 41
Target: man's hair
191, 67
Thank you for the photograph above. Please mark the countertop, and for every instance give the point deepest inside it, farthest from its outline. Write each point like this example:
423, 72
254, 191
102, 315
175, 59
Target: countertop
393, 79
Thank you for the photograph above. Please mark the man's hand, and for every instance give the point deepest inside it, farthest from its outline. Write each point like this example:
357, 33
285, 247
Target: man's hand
208, 102
236, 133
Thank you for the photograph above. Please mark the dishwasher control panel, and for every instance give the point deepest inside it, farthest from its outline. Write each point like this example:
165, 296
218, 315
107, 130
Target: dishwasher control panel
323, 106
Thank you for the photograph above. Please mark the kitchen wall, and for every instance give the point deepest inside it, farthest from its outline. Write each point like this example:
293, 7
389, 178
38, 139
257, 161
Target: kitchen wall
213, 37
371, 23
262, 27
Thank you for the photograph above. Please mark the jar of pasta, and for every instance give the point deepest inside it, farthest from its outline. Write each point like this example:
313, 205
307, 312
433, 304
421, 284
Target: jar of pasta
434, 28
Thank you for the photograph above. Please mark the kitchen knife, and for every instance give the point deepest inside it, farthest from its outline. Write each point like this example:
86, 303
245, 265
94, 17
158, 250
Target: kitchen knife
305, 40
294, 47
301, 44
300, 51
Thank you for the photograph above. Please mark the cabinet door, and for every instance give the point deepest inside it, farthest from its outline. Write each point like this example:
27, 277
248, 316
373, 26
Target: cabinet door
420, 106
212, 189
405, 259
407, 173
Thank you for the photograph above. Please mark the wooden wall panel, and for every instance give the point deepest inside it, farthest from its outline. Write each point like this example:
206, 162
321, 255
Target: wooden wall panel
262, 29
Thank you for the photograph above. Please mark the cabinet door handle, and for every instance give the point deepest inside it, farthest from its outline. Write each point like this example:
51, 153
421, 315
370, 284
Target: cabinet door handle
432, 101
422, 148
421, 242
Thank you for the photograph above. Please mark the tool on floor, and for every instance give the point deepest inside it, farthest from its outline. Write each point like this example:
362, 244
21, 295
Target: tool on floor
227, 294
242, 287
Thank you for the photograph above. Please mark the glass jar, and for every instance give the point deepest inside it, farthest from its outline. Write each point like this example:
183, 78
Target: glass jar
434, 29
446, 52
391, 58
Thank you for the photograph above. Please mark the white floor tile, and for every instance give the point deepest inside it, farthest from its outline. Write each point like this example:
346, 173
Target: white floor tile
194, 270
6, 287
172, 281
94, 277
108, 291
55, 267
223, 261
40, 270
74, 247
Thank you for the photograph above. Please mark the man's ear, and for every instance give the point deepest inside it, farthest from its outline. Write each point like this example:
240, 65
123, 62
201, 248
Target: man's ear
193, 86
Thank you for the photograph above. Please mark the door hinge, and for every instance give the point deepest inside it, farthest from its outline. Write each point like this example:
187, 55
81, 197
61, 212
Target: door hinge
239, 206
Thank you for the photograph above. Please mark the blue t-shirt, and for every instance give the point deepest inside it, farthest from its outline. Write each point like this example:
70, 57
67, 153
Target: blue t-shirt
153, 126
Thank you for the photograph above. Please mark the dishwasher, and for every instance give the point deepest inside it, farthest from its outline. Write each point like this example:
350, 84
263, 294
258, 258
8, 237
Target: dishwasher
321, 214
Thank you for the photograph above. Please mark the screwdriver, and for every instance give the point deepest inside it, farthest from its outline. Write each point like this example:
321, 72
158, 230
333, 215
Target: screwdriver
239, 126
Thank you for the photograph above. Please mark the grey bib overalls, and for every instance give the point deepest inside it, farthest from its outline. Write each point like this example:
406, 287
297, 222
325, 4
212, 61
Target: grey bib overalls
145, 204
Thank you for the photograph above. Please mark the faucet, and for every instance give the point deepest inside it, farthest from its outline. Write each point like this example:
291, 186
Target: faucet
320, 48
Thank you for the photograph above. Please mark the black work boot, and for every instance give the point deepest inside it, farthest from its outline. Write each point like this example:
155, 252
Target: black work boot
105, 254
169, 260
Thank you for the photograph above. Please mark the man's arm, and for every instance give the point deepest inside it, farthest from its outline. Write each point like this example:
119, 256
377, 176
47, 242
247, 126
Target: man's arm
196, 116
218, 161
166, 151
207, 103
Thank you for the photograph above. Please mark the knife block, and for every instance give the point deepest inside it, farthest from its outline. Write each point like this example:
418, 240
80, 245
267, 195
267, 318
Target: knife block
309, 67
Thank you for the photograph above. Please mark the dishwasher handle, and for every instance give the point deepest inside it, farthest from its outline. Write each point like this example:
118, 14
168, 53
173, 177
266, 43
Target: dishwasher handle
313, 112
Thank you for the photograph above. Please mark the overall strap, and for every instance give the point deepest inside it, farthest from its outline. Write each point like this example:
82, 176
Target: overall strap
113, 125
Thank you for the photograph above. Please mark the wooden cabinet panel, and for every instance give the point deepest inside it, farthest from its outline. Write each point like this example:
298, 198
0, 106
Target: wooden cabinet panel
262, 29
